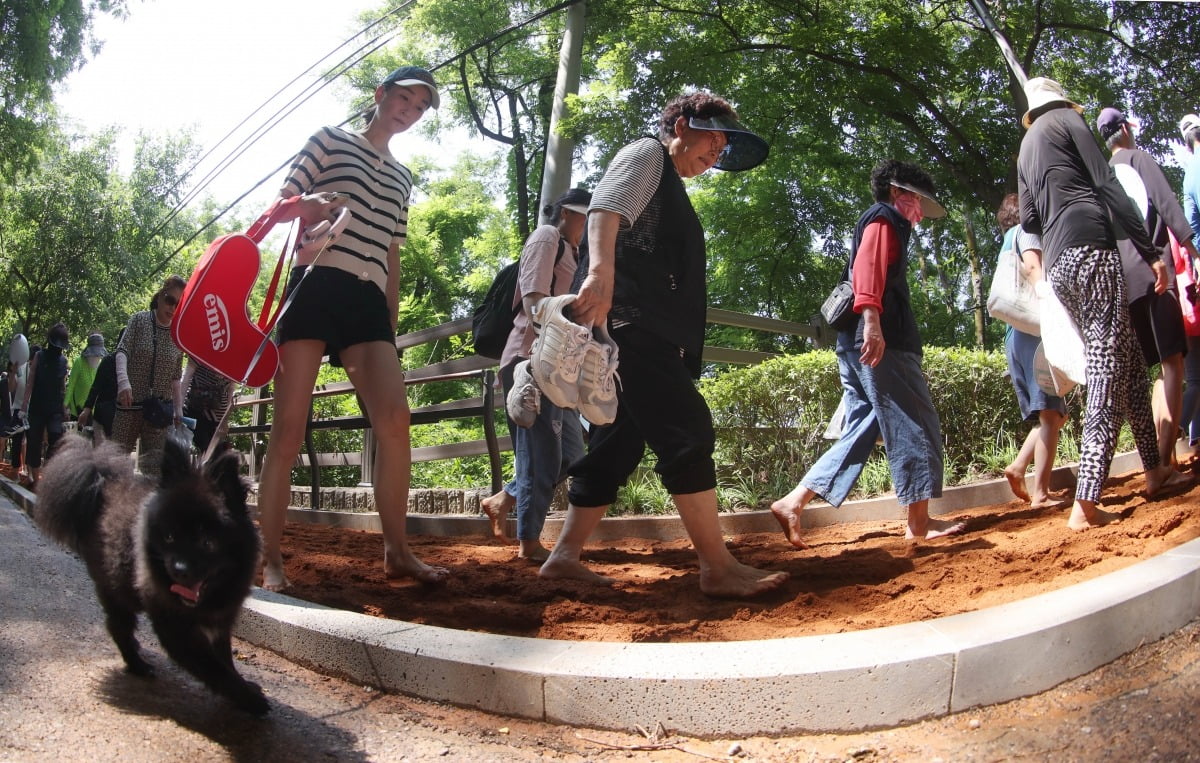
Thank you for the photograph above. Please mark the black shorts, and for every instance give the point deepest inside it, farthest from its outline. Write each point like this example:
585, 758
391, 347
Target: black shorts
337, 308
1158, 322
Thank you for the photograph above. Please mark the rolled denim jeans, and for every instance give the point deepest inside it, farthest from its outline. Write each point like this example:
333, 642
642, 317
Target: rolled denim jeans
891, 399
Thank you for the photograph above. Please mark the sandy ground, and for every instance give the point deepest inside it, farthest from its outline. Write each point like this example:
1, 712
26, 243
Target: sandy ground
853, 576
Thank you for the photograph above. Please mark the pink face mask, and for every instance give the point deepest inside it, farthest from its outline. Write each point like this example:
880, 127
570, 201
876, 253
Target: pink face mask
910, 206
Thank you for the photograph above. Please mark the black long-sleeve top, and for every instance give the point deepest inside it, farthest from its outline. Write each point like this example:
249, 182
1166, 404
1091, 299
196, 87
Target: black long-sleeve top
1164, 214
104, 386
1067, 190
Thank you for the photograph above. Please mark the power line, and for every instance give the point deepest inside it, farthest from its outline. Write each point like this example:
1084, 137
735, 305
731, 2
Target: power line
310, 90
346, 64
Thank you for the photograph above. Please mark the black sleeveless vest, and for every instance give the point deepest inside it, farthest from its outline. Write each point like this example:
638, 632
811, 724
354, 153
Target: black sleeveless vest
661, 265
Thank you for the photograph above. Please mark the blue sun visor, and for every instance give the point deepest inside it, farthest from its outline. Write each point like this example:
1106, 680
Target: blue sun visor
744, 151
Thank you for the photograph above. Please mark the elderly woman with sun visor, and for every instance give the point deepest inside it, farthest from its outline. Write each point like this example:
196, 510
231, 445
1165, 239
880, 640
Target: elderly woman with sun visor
884, 390
646, 280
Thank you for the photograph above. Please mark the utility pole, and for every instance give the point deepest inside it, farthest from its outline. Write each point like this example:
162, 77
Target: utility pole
556, 172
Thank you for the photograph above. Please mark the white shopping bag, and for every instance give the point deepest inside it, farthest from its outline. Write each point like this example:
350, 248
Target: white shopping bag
1061, 341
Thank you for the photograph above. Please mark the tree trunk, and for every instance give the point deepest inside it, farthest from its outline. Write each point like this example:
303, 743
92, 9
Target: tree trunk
976, 279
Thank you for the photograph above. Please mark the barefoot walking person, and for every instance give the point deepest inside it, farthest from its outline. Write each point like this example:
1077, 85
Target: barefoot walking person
347, 306
1157, 319
879, 361
546, 438
646, 281
1047, 412
1068, 193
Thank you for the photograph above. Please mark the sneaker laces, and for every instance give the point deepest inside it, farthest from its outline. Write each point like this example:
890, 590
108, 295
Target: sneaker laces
529, 397
573, 349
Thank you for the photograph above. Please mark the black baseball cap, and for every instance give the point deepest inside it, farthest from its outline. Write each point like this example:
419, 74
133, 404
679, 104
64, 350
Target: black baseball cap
410, 76
1110, 122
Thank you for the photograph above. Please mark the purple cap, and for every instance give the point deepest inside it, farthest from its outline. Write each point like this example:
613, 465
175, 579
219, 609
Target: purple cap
1110, 121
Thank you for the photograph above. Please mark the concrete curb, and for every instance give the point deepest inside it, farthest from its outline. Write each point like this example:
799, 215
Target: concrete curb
741, 523
843, 682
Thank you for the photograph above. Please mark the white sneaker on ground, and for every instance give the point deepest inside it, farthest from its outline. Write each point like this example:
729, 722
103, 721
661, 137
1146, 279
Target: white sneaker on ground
524, 401
598, 379
557, 353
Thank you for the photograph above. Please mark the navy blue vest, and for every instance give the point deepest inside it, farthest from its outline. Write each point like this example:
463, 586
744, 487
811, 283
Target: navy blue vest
897, 320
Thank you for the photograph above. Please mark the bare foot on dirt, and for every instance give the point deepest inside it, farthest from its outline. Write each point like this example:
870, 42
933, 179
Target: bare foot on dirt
570, 569
934, 528
789, 521
533, 551
1048, 500
1016, 483
1081, 519
1165, 478
409, 566
273, 577
740, 581
787, 512
497, 508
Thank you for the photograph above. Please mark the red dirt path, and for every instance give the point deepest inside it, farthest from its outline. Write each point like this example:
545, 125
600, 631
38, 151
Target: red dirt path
854, 576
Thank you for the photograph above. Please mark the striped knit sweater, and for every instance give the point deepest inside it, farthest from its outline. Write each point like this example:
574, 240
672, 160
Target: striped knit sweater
379, 187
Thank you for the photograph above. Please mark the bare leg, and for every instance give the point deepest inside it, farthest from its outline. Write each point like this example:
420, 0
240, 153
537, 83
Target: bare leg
298, 364
1015, 472
564, 560
379, 381
497, 508
921, 527
1167, 402
1085, 515
1044, 452
789, 509
720, 573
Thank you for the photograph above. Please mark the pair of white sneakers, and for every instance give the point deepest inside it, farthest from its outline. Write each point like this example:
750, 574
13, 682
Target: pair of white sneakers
568, 365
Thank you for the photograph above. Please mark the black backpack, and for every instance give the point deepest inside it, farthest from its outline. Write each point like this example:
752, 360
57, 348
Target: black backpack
492, 321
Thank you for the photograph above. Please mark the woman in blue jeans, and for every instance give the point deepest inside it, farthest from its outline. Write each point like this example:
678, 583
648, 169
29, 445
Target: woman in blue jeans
879, 360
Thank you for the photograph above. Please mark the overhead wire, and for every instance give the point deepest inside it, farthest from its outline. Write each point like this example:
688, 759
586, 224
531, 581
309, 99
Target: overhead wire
347, 63
315, 86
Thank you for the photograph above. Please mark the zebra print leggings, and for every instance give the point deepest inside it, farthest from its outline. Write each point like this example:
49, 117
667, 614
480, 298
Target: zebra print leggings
1091, 287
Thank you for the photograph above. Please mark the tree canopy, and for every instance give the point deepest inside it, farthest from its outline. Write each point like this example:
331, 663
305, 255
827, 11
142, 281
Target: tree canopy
834, 88
40, 44
83, 244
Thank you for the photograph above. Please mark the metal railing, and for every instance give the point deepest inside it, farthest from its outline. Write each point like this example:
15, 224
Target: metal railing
482, 407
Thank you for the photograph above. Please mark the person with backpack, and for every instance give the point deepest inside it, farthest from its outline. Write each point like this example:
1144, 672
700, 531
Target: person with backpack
347, 306
546, 438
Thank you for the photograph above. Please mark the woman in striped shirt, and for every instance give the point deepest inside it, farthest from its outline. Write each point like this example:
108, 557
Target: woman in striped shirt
347, 306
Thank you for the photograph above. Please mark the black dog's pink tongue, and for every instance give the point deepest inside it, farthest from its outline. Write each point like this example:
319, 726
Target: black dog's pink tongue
191, 594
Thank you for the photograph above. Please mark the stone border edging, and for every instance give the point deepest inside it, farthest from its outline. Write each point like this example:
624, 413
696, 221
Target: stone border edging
668, 527
843, 682
840, 682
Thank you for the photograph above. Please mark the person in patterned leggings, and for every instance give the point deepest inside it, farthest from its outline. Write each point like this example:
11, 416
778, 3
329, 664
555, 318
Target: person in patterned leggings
1067, 192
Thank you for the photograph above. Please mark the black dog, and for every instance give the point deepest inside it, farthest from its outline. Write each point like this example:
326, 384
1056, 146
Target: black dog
183, 551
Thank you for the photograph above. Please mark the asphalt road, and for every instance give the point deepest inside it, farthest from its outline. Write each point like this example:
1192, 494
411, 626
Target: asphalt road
65, 697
